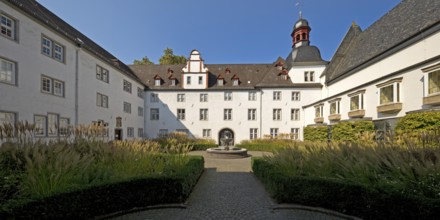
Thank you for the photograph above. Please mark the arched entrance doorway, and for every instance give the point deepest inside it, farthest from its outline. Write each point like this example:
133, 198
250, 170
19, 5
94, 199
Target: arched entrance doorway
226, 137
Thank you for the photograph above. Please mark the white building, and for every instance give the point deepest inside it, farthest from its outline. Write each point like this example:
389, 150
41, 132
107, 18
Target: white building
54, 76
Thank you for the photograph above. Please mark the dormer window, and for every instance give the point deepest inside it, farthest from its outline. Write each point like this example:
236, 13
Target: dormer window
173, 82
220, 82
157, 80
235, 80
284, 74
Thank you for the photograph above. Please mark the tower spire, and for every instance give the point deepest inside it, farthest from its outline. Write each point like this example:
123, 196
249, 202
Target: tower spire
299, 5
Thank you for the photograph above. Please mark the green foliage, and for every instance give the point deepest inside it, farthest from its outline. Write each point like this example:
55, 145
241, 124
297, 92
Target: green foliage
269, 145
315, 133
143, 61
423, 121
329, 176
168, 57
351, 131
45, 172
182, 138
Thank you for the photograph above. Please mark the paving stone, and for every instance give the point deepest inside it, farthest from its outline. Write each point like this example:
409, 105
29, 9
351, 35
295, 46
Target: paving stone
228, 190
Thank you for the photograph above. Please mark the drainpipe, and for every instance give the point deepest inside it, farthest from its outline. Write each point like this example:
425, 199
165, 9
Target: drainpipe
79, 43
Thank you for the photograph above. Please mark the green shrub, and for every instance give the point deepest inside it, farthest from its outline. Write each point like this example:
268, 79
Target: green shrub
315, 133
352, 130
422, 128
269, 145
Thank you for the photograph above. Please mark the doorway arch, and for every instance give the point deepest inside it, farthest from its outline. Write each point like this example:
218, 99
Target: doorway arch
226, 137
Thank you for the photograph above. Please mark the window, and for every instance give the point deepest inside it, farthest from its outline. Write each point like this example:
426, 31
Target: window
206, 133
220, 82
252, 96
276, 95
40, 125
389, 92
228, 96
235, 82
296, 96
140, 132
200, 80
7, 27
7, 71
130, 132
181, 113
294, 133
52, 124
252, 114
203, 114
227, 114
7, 118
157, 82
334, 107
52, 49
163, 132
140, 92
253, 133
101, 100
52, 86
180, 97
309, 76
186, 131
127, 86
276, 114
203, 97
154, 114
64, 126
127, 107
140, 111
294, 114
188, 80
319, 111
102, 74
154, 97
118, 122
173, 82
357, 101
434, 82
274, 132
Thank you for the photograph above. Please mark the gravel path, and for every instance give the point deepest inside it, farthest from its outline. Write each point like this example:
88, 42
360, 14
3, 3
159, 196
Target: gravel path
229, 190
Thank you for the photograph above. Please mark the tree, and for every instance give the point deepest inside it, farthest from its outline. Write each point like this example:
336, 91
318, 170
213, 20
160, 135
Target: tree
144, 60
168, 57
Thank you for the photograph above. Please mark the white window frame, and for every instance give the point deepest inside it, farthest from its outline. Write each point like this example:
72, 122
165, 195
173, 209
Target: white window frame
220, 82
8, 71
157, 82
295, 114
253, 133
127, 107
52, 86
294, 133
252, 114
140, 92
8, 27
140, 111
102, 73
309, 76
228, 96
227, 114
276, 114
181, 97
277, 95
64, 126
204, 97
274, 132
252, 96
200, 80
127, 86
206, 133
432, 87
52, 49
204, 114
8, 117
188, 80
395, 84
154, 114
181, 114
359, 95
235, 82
154, 97
40, 126
101, 100
130, 132
52, 124
140, 132
296, 96
319, 111
335, 107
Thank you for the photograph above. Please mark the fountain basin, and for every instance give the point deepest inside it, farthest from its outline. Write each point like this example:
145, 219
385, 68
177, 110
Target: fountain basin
225, 153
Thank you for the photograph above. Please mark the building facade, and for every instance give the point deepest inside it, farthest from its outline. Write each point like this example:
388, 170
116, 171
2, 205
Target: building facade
54, 76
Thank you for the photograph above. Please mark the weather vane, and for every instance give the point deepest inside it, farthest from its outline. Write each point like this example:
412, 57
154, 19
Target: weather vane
299, 5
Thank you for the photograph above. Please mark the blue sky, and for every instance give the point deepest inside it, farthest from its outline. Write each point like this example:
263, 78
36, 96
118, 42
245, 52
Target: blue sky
224, 31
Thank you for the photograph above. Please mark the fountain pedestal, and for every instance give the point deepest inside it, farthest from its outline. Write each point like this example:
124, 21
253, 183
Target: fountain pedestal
227, 152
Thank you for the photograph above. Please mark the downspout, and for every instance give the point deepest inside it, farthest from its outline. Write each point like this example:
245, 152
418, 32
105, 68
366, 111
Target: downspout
79, 43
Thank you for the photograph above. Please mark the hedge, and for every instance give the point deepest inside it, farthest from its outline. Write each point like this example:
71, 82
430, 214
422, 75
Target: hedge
342, 196
315, 133
421, 121
110, 197
203, 146
351, 130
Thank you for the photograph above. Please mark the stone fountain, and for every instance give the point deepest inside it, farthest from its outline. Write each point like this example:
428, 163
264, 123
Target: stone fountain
227, 150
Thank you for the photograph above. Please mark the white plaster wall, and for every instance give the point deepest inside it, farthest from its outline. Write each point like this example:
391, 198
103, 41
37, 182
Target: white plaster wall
195, 80
296, 73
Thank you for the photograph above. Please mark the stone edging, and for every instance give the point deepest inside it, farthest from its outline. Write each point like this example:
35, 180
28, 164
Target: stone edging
314, 209
140, 209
